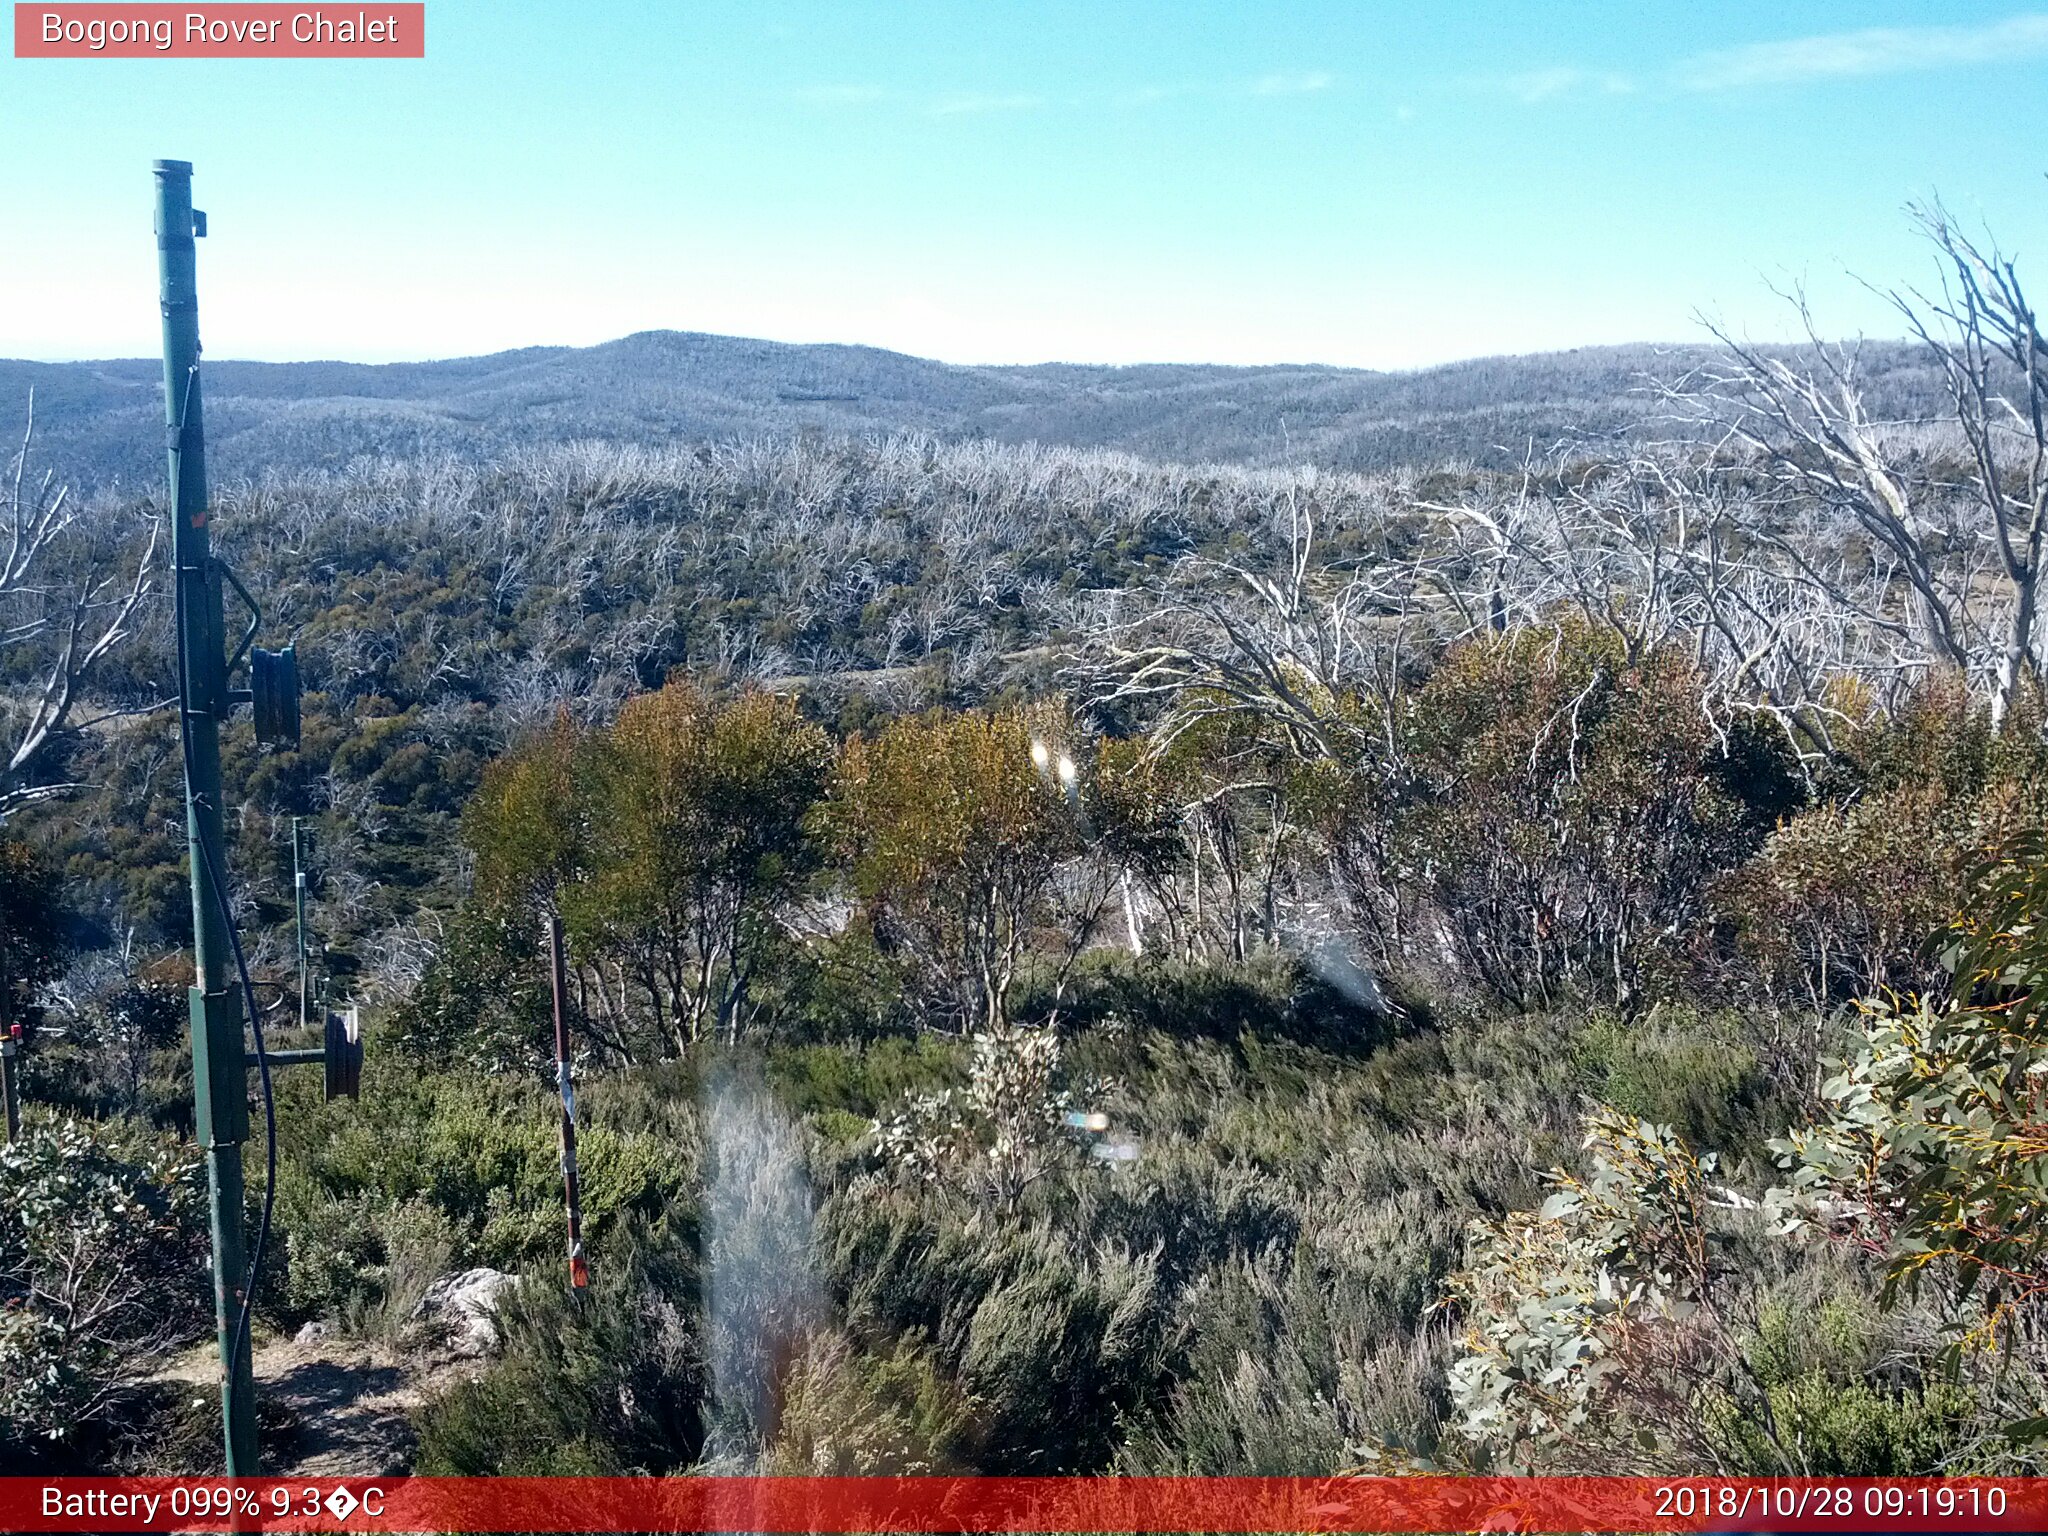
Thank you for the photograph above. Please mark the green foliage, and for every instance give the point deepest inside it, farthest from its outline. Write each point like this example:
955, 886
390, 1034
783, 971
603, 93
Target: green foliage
1572, 804
1704, 1075
1849, 1429
1052, 1346
100, 1244
364, 1261
1567, 1306
861, 1077
1271, 997
120, 1046
666, 841
1133, 809
1828, 1395
840, 988
1933, 1143
847, 1412
1248, 1287
527, 824
1635, 1323
1841, 901
1545, 816
1002, 1133
951, 833
703, 810
1234, 774
32, 937
484, 1001
1294, 1364
1289, 1209
447, 1168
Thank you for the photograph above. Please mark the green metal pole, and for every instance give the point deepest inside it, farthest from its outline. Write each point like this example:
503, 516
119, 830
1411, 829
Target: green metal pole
299, 904
219, 1088
8, 1091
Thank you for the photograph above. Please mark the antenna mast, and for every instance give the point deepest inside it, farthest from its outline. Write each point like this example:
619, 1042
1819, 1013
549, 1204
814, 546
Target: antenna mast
219, 1082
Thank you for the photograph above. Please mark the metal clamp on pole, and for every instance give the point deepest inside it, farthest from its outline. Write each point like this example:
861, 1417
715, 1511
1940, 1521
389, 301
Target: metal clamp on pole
273, 691
340, 1053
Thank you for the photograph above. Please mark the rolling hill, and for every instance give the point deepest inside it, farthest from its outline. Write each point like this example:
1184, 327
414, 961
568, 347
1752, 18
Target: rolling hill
100, 421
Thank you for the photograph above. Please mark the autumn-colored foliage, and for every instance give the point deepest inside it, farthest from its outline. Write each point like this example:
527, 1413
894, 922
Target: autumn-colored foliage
1571, 805
952, 828
1842, 898
666, 842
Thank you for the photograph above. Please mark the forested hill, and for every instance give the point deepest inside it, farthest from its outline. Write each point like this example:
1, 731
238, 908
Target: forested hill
99, 420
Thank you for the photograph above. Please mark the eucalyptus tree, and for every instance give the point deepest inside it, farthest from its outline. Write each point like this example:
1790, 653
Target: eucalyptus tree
953, 832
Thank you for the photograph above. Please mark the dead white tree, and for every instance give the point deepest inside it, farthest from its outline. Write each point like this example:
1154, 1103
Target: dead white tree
1291, 643
1800, 418
1984, 334
1950, 567
70, 589
1665, 549
1297, 660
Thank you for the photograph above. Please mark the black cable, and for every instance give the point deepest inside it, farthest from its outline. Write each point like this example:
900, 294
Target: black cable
220, 896
269, 1113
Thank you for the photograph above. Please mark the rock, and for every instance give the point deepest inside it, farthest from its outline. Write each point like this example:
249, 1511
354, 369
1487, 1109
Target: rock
312, 1333
466, 1306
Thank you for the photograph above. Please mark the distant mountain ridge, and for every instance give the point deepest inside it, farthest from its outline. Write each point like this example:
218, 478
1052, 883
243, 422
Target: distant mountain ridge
99, 421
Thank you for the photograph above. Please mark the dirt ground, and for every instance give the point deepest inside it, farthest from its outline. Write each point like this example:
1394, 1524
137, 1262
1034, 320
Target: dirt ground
346, 1404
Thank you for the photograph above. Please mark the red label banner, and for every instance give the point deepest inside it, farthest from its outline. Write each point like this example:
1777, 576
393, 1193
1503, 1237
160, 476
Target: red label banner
1048, 1504
236, 31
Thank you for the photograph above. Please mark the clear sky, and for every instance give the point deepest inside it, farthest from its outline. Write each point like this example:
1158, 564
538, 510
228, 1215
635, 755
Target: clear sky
1382, 185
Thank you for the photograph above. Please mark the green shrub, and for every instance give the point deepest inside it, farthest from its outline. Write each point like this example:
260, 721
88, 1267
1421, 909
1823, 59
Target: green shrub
362, 1262
1299, 1365
950, 837
1699, 1074
456, 1168
1587, 1336
609, 1383
862, 1078
101, 1234
33, 943
848, 1412
1850, 1429
327, 1250
1273, 996
483, 1001
837, 989
1835, 1407
1572, 804
1841, 900
1053, 1348
1928, 1152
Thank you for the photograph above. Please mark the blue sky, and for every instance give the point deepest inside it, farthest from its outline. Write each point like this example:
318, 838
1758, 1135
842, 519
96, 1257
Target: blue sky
1378, 185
